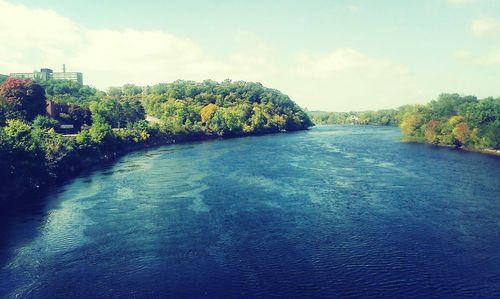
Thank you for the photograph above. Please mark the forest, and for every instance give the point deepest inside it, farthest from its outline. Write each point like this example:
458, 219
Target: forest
35, 153
450, 120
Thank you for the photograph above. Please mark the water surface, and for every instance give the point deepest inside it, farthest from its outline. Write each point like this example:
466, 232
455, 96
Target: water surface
331, 212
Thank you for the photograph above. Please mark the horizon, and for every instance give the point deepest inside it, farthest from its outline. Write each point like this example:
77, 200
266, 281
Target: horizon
342, 56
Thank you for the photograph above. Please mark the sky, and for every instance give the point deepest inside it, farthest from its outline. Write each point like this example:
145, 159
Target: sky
332, 55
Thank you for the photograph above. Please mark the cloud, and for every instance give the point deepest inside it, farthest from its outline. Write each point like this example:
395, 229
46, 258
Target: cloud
487, 26
341, 61
490, 59
489, 29
368, 82
24, 35
141, 57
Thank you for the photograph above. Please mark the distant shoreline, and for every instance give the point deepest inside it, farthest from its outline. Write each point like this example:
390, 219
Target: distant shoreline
487, 151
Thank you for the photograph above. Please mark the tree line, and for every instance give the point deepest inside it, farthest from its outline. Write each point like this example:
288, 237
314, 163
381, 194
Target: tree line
451, 119
388, 117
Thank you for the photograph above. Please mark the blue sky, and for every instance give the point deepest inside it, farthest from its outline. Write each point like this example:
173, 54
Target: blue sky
328, 55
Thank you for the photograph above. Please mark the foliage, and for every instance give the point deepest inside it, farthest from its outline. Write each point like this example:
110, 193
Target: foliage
389, 117
226, 108
21, 99
45, 122
77, 116
431, 131
456, 121
116, 113
70, 92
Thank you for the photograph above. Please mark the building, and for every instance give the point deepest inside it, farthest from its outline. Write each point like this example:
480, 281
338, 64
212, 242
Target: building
54, 111
47, 74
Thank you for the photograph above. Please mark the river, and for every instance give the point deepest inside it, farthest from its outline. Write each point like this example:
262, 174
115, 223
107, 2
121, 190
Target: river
336, 211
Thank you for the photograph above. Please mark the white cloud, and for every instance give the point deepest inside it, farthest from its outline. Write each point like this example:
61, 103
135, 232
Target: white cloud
140, 57
26, 33
341, 61
489, 59
489, 29
346, 78
487, 26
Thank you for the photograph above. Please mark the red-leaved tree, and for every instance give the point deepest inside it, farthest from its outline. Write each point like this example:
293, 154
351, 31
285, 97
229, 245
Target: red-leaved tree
21, 99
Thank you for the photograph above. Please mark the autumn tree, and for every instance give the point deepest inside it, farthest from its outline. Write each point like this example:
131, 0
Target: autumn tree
432, 129
461, 133
208, 112
21, 99
410, 123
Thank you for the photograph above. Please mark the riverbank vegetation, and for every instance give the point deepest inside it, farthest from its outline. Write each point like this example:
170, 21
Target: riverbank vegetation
387, 117
454, 120
34, 153
451, 120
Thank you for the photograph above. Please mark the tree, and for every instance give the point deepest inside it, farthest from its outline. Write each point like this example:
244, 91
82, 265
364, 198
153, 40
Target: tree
70, 92
99, 131
461, 133
208, 112
77, 116
491, 135
432, 129
21, 99
17, 133
44, 122
449, 105
131, 90
117, 113
410, 123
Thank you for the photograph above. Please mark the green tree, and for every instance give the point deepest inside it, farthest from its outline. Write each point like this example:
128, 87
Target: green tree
491, 135
44, 122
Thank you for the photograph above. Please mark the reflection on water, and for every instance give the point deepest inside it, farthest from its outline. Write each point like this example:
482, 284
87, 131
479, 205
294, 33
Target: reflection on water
331, 212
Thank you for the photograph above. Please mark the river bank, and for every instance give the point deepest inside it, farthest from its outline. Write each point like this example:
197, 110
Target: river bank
90, 160
487, 151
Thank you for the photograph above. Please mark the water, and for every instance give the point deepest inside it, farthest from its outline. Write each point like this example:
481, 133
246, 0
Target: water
331, 212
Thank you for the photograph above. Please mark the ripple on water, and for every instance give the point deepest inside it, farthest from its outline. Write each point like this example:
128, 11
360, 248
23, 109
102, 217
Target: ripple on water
331, 212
